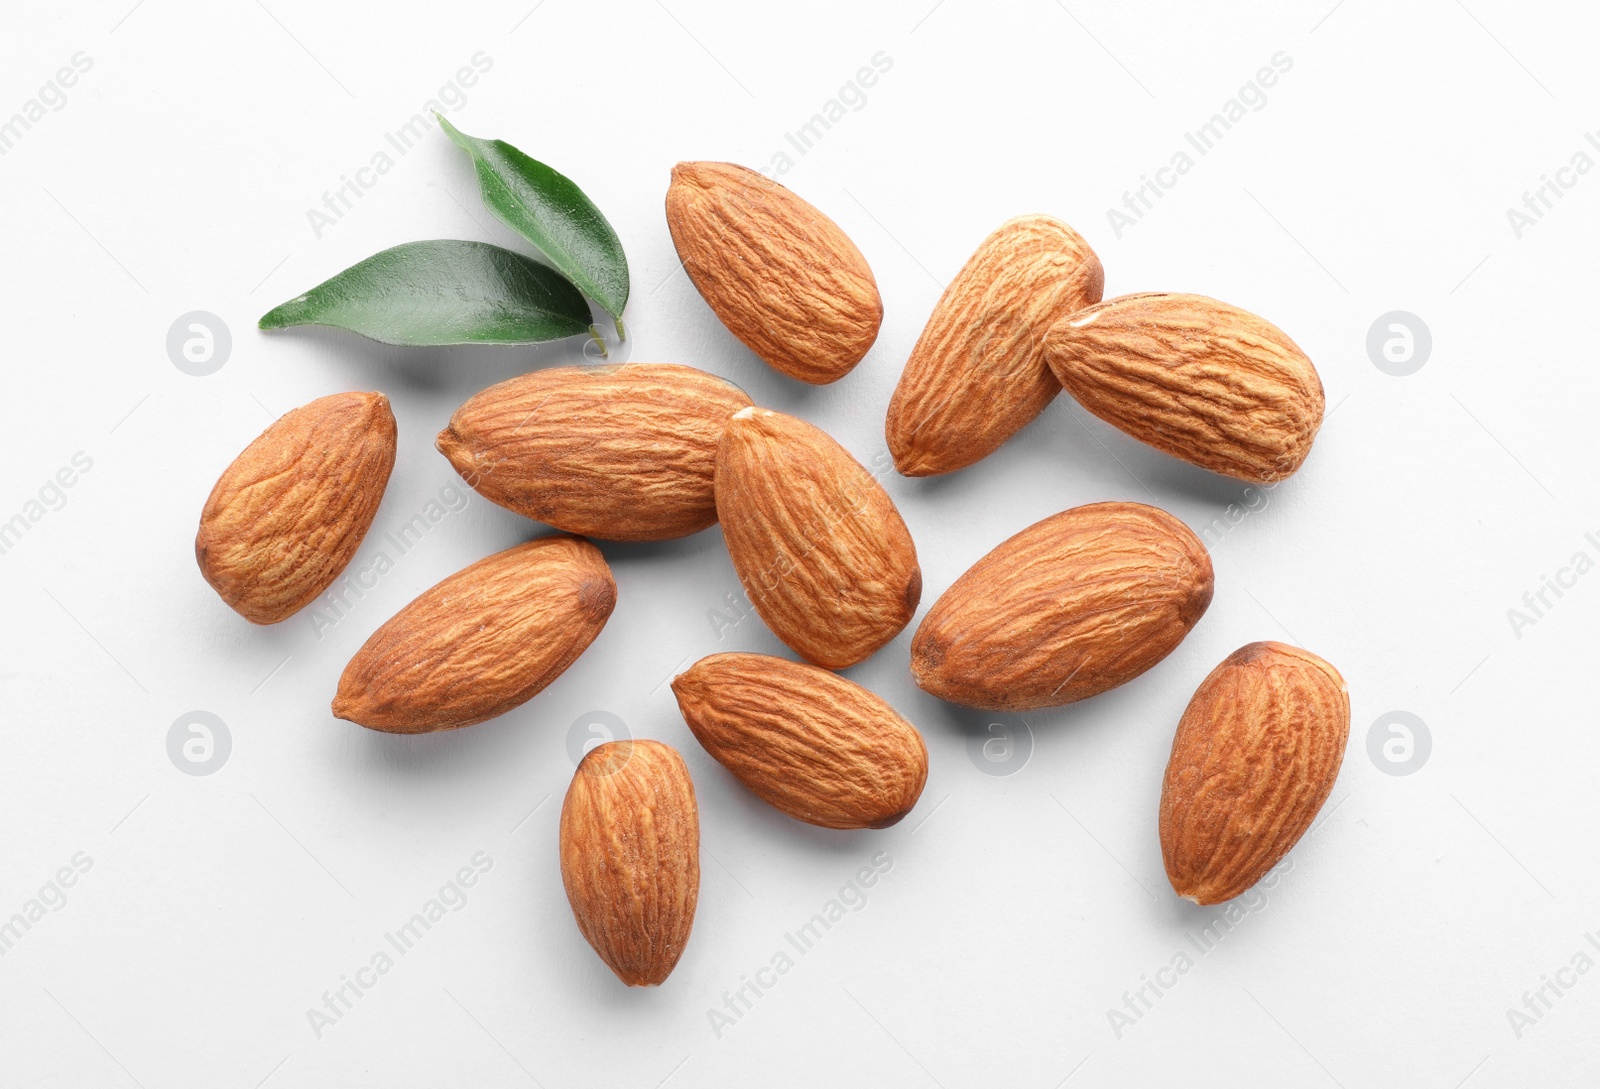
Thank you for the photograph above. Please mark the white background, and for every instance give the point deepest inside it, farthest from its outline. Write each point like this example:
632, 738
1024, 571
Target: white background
1020, 907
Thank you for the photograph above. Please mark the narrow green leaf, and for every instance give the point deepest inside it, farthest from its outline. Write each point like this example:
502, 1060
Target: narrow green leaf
442, 292
549, 210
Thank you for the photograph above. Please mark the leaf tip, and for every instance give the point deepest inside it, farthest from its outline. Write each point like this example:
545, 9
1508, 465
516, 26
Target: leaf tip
450, 130
283, 315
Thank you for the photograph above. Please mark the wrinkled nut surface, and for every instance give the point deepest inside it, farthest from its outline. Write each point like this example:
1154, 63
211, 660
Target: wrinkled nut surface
1196, 378
818, 747
630, 857
818, 544
1072, 606
288, 515
622, 453
777, 272
977, 375
485, 640
1255, 756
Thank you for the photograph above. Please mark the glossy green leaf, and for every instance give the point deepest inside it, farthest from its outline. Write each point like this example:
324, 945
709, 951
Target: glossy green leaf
442, 292
550, 211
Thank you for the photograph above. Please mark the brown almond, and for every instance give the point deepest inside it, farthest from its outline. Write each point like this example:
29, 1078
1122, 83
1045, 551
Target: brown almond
818, 544
1255, 756
818, 747
485, 640
777, 272
630, 857
977, 375
1201, 380
1072, 606
622, 453
288, 515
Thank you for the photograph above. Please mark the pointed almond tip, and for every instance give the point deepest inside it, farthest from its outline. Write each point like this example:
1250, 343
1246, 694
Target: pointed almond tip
681, 683
457, 450
893, 819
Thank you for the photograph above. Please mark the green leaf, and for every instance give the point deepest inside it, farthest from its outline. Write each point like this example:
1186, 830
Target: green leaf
442, 292
549, 210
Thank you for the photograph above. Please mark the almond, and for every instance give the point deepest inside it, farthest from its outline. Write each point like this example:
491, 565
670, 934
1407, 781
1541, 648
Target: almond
818, 747
623, 453
977, 375
487, 639
1254, 758
1196, 378
287, 516
778, 273
630, 857
818, 544
1072, 606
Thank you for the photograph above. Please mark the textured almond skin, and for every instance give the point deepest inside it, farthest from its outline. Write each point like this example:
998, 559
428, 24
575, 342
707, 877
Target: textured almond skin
977, 375
818, 544
1072, 606
622, 453
487, 639
818, 747
630, 857
288, 515
777, 272
1255, 756
1196, 378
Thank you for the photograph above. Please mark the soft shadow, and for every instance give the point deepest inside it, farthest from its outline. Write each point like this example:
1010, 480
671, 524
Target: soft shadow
468, 753
465, 368
679, 549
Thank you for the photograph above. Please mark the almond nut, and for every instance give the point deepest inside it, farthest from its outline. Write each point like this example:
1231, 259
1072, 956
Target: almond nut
821, 550
1072, 606
977, 375
1196, 378
288, 515
818, 747
777, 272
630, 857
622, 453
1255, 756
487, 639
